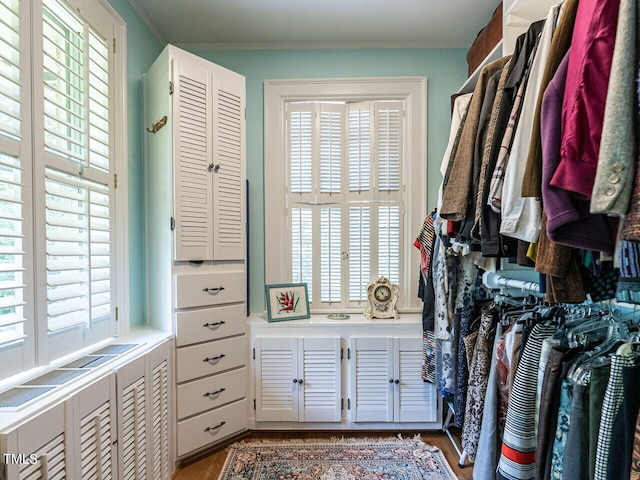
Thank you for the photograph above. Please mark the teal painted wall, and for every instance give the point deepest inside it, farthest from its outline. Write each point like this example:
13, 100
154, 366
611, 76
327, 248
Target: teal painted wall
142, 50
445, 69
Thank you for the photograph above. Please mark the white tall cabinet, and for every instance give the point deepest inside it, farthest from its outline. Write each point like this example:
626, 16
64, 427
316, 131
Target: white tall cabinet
195, 238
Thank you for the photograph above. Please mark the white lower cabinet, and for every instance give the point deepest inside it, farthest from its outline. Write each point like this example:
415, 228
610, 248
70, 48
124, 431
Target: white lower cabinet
365, 375
116, 427
298, 379
386, 383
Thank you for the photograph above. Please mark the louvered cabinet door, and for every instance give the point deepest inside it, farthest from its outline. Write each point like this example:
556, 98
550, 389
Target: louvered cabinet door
160, 455
276, 379
372, 382
42, 442
93, 410
415, 400
319, 392
193, 157
229, 166
132, 421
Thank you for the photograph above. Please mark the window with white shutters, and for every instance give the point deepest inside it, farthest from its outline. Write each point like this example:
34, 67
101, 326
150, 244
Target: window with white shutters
58, 116
346, 202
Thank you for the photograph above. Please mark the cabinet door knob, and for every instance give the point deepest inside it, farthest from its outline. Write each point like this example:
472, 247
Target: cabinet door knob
295, 380
213, 167
300, 381
213, 290
208, 429
213, 325
213, 394
214, 359
391, 380
397, 381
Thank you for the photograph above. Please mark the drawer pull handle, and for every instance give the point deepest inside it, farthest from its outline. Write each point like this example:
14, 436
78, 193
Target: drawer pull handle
212, 325
214, 290
213, 394
208, 429
214, 359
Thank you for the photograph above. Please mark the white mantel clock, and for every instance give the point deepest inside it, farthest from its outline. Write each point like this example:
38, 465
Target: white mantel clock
382, 296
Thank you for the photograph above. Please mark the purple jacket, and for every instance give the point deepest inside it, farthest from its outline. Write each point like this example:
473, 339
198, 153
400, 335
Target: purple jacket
585, 94
568, 219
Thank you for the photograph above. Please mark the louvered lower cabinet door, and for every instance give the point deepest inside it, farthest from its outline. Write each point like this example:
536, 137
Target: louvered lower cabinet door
43, 444
386, 381
298, 379
132, 421
416, 400
160, 456
94, 430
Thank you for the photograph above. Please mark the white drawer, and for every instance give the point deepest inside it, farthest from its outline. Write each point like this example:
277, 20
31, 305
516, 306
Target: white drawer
208, 324
200, 395
213, 288
213, 357
211, 427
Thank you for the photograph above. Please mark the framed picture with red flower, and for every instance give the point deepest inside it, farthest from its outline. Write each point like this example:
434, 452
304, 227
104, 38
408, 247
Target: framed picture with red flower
287, 301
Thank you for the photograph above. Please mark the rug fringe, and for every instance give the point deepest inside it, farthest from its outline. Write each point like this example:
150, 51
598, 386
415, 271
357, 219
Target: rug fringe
416, 440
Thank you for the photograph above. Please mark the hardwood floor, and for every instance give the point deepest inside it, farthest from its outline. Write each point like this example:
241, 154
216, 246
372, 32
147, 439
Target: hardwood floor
208, 466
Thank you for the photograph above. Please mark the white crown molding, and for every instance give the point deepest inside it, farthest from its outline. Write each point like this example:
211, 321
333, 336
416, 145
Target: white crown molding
314, 45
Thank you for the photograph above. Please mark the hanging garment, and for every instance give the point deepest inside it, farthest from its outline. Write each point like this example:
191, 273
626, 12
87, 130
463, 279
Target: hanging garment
456, 186
560, 43
558, 365
631, 225
568, 219
466, 224
610, 406
487, 455
517, 459
585, 95
624, 425
562, 428
616, 159
576, 451
597, 389
635, 460
521, 215
462, 330
478, 381
507, 364
458, 114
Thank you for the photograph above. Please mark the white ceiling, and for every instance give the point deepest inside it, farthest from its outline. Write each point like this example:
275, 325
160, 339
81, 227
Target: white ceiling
253, 24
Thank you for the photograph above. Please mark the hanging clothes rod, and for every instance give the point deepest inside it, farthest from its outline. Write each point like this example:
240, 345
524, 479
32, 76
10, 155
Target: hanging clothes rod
495, 281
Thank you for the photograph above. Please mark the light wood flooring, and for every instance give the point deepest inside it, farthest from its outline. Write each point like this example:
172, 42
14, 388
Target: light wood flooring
208, 466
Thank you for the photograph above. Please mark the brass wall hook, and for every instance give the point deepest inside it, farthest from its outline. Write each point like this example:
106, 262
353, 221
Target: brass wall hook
158, 125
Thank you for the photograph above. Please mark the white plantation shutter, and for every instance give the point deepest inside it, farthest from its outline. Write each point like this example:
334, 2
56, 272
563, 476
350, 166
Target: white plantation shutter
79, 279
331, 141
389, 242
11, 250
344, 196
330, 254
359, 133
359, 252
229, 178
300, 150
320, 389
302, 248
388, 127
193, 152
11, 77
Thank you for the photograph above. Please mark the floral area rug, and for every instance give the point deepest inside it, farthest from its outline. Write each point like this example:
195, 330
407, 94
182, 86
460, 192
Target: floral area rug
336, 459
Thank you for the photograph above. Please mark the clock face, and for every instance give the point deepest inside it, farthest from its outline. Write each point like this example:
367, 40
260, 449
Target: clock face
382, 293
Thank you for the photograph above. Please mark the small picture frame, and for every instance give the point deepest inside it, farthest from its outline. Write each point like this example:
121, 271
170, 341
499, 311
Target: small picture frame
287, 301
